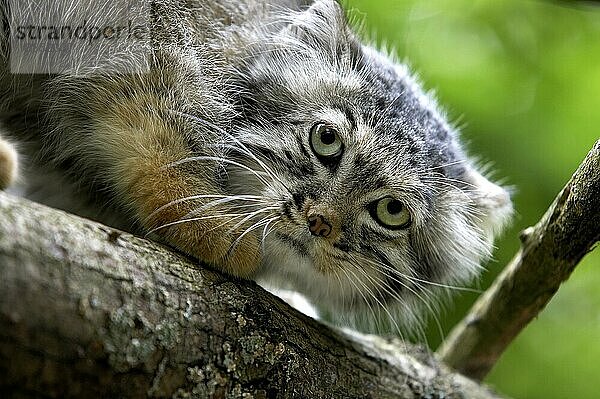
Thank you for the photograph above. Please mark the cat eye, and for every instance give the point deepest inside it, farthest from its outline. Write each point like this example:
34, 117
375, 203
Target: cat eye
391, 213
325, 141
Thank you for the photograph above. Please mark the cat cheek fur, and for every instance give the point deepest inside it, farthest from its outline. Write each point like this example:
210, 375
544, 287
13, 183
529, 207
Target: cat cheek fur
493, 202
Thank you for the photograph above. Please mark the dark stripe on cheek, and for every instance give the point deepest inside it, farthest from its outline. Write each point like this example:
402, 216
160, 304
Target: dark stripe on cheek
263, 152
350, 118
365, 236
380, 183
293, 243
422, 264
394, 284
306, 169
298, 200
288, 155
360, 162
286, 209
342, 245
424, 269
381, 257
302, 148
413, 148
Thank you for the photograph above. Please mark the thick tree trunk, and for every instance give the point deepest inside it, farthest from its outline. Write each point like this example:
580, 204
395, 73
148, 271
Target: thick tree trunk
88, 311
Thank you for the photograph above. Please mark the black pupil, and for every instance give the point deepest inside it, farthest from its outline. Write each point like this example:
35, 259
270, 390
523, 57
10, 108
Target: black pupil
327, 137
394, 207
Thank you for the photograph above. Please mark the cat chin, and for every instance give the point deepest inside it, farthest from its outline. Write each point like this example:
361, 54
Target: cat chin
293, 277
287, 268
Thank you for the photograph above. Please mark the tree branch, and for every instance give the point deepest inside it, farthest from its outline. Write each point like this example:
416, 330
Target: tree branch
88, 311
549, 252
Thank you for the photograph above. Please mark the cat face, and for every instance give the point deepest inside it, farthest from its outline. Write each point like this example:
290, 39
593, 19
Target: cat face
374, 202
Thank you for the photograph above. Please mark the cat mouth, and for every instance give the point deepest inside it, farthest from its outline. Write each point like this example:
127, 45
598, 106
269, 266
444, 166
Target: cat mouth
308, 246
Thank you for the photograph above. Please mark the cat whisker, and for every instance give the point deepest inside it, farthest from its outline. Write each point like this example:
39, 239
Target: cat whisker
266, 233
458, 162
195, 219
382, 287
396, 296
360, 291
448, 180
446, 185
441, 176
205, 196
250, 216
342, 301
248, 230
259, 175
217, 226
422, 281
364, 289
397, 329
246, 150
230, 136
223, 201
377, 283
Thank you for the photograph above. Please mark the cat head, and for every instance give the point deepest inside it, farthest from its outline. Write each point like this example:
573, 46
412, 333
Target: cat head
376, 203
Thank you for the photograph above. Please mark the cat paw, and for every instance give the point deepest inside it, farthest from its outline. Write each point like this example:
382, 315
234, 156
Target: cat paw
233, 251
242, 257
8, 164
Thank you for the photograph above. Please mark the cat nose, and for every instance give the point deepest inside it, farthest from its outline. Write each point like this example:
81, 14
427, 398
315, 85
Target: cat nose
319, 226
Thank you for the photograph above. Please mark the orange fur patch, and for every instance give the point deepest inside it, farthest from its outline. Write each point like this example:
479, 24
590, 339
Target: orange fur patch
143, 144
8, 164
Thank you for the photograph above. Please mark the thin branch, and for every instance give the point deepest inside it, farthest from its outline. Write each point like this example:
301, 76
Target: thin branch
549, 253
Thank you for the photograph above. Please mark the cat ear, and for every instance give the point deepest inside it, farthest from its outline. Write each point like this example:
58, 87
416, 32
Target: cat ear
323, 26
492, 201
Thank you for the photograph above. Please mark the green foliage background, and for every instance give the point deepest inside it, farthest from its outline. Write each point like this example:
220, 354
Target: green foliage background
522, 78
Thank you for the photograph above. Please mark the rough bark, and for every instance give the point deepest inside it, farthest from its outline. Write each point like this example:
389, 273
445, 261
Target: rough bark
549, 253
88, 311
